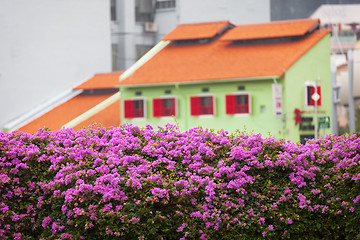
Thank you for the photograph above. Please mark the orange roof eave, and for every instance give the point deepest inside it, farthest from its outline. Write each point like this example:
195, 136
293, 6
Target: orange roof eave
202, 81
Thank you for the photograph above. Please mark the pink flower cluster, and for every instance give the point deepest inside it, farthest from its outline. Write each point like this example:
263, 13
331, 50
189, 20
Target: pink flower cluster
140, 183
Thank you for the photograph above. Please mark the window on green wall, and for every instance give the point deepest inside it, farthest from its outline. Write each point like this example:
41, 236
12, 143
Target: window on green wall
238, 103
134, 108
309, 91
202, 105
164, 107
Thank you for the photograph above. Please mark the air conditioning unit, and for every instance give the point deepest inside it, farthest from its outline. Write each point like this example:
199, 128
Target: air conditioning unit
150, 27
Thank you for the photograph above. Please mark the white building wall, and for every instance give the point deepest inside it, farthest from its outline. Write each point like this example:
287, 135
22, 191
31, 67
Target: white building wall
166, 20
47, 47
237, 12
124, 32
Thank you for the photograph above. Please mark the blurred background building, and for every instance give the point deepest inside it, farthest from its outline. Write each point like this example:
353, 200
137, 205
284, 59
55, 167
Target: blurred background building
343, 20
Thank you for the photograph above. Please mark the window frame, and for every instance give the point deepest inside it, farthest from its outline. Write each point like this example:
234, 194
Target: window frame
235, 94
113, 8
198, 113
159, 4
140, 16
311, 104
144, 108
162, 107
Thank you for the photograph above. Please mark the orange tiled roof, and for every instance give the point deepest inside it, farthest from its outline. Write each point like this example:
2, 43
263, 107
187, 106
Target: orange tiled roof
62, 114
101, 81
219, 59
272, 30
197, 30
108, 117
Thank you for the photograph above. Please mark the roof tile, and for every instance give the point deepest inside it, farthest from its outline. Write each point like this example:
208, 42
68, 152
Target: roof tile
62, 114
101, 81
108, 117
217, 60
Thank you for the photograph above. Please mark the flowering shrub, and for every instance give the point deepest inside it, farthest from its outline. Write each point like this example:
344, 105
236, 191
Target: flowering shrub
132, 183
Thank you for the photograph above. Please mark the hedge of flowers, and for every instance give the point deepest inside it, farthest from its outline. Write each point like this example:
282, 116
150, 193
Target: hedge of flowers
132, 183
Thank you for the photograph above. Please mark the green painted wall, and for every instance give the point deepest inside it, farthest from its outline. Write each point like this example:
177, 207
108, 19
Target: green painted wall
315, 63
260, 120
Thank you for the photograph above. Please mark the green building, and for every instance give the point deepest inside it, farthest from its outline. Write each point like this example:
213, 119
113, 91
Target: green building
268, 78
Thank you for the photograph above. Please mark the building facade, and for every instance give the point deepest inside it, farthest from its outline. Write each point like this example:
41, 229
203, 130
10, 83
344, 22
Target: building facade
260, 77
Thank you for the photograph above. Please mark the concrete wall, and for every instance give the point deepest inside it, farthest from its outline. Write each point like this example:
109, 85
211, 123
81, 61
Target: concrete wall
166, 20
47, 47
238, 12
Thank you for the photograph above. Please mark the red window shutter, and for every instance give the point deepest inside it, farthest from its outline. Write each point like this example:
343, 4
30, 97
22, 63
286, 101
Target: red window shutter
195, 106
311, 102
212, 105
310, 92
129, 108
230, 104
173, 110
157, 107
248, 103
319, 92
